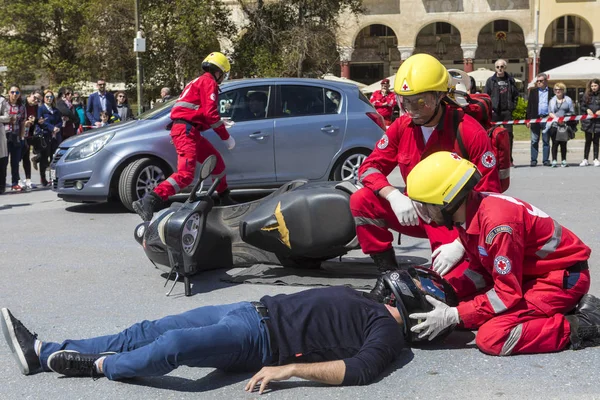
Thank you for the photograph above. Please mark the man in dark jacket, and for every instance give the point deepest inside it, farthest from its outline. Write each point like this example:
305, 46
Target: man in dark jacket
502, 88
100, 101
537, 107
348, 341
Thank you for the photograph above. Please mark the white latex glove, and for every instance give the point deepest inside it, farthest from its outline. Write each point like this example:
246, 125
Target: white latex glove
436, 320
403, 208
446, 256
230, 142
228, 123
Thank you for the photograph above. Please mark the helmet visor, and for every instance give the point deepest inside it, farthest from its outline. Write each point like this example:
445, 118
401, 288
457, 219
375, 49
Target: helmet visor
420, 105
428, 212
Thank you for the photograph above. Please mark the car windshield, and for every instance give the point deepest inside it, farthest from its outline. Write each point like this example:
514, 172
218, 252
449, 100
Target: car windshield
158, 111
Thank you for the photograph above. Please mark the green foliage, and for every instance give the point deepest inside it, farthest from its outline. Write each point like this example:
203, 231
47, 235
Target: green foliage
65, 41
290, 37
521, 109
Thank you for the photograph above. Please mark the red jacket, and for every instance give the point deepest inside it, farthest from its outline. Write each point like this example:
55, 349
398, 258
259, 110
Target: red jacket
377, 99
403, 145
198, 104
509, 242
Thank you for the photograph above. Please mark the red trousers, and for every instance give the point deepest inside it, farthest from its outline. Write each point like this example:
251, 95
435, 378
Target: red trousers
191, 148
537, 323
374, 218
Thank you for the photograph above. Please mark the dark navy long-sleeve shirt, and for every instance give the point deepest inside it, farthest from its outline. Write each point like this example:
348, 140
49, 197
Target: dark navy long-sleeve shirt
335, 323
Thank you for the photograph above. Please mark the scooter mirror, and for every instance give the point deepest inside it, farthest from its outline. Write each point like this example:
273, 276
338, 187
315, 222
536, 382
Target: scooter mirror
208, 166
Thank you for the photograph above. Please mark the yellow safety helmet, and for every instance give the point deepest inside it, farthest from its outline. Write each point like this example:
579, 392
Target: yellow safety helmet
421, 73
218, 60
443, 179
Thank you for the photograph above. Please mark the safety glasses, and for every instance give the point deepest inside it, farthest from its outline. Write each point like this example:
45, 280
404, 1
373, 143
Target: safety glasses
428, 212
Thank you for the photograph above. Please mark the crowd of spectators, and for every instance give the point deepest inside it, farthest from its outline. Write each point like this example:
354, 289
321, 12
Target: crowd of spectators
33, 124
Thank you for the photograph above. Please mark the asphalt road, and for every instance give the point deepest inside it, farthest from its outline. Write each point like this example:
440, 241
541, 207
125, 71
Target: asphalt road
74, 271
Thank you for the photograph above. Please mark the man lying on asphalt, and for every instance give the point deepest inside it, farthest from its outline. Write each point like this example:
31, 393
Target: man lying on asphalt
333, 335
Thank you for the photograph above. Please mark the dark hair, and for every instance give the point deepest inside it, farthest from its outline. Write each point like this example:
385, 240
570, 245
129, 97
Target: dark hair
588, 89
124, 94
20, 99
473, 89
63, 90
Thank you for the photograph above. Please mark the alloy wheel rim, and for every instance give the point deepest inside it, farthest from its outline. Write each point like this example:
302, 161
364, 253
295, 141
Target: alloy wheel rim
351, 165
148, 179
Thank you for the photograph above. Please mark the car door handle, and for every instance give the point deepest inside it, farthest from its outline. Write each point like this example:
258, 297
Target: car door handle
330, 128
258, 135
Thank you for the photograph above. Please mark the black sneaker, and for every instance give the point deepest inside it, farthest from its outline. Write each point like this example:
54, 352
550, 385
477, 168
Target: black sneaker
73, 363
225, 198
21, 343
585, 323
148, 205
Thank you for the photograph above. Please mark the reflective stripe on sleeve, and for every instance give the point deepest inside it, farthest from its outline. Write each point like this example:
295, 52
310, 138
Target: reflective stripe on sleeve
495, 301
368, 172
217, 124
174, 184
504, 173
552, 244
476, 278
512, 340
358, 221
185, 104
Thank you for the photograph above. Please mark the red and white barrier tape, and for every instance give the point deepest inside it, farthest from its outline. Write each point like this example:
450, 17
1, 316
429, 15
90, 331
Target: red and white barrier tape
546, 119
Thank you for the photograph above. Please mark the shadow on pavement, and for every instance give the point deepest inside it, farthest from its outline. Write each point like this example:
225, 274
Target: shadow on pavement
459, 339
202, 282
213, 380
99, 208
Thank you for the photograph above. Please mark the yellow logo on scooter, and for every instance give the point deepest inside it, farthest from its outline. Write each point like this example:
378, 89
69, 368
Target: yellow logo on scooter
284, 233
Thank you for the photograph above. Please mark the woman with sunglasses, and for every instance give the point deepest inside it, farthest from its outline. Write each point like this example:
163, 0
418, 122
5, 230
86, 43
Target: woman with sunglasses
52, 128
590, 105
32, 103
15, 134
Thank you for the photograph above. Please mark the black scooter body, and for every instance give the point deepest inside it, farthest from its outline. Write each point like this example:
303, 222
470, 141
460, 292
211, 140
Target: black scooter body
299, 225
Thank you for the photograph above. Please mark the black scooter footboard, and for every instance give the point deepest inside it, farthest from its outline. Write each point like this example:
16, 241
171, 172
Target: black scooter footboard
313, 220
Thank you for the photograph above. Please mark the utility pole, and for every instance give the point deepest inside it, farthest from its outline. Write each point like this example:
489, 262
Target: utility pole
139, 46
537, 33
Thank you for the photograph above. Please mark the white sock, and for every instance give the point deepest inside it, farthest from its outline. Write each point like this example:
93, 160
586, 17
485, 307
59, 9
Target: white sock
97, 365
37, 347
27, 181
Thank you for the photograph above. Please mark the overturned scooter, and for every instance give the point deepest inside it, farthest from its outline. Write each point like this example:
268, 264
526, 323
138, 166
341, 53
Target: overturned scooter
299, 225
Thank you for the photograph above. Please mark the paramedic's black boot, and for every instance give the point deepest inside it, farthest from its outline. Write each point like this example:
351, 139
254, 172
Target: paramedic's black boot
149, 204
585, 323
385, 262
225, 198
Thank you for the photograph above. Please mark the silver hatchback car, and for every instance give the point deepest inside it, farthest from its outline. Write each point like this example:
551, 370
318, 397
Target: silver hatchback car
285, 129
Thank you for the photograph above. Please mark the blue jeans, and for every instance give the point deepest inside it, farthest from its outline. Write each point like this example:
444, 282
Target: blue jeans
535, 142
228, 337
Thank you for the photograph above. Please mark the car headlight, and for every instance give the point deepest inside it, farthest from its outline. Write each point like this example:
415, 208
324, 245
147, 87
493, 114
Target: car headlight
90, 148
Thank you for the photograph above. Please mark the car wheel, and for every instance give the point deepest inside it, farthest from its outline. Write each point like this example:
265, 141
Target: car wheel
347, 167
139, 178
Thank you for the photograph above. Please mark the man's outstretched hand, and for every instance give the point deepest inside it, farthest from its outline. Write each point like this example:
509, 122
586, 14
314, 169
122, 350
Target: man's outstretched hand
268, 374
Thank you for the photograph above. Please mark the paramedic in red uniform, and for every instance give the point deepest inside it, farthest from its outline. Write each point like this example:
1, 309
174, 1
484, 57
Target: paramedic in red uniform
384, 101
194, 112
528, 271
427, 126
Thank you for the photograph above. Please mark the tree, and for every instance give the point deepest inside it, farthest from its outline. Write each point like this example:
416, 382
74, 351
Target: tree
290, 37
39, 36
179, 35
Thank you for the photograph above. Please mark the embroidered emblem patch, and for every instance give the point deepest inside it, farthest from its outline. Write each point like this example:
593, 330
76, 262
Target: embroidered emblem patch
488, 159
405, 86
489, 238
383, 142
502, 265
482, 251
213, 97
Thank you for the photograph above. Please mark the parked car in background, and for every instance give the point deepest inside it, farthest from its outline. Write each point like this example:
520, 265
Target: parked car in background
308, 128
